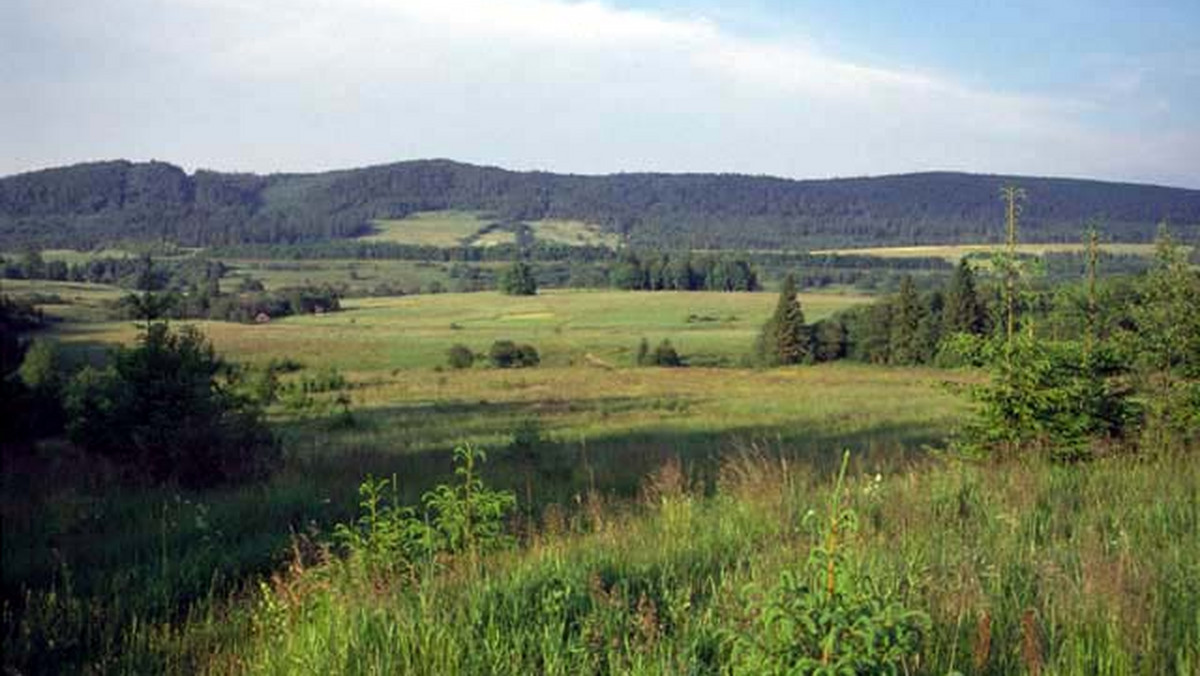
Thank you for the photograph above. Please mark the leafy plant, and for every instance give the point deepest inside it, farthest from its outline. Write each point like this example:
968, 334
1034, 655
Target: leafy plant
463, 517
827, 619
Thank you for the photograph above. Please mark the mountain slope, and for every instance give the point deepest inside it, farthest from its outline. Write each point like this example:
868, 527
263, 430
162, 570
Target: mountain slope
95, 203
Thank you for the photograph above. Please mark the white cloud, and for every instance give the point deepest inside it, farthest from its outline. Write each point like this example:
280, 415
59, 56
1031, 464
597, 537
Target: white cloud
308, 84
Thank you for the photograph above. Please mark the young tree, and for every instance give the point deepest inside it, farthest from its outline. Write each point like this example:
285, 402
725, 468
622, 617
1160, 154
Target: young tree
519, 280
785, 338
1168, 345
161, 410
965, 311
909, 313
460, 357
665, 355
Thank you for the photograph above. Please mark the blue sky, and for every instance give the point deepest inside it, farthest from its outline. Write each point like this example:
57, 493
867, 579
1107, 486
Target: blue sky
800, 89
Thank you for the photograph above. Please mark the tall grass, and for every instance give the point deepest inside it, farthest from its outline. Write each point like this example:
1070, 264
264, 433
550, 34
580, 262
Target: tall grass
1022, 568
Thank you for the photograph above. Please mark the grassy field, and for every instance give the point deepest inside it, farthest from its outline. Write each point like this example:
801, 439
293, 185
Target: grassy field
657, 508
432, 228
574, 233
567, 327
355, 275
76, 549
954, 252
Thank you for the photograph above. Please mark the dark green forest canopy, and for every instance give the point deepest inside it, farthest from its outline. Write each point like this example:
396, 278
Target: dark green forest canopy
119, 201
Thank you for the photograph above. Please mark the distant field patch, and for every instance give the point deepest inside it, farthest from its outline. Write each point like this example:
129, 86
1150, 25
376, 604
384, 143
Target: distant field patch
953, 252
493, 237
573, 233
354, 275
428, 228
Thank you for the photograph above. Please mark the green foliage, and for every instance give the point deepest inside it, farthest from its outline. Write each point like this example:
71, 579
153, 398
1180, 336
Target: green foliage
519, 280
160, 411
461, 518
460, 357
505, 354
908, 315
44, 374
1166, 347
965, 311
86, 204
830, 619
1049, 399
784, 338
664, 355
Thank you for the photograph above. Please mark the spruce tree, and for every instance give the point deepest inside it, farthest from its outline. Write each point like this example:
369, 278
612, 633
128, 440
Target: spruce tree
907, 317
785, 337
965, 311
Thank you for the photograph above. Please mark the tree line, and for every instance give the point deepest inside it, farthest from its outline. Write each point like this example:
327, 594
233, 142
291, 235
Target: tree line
89, 204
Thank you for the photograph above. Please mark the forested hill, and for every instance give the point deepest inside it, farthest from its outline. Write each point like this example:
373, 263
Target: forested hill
104, 202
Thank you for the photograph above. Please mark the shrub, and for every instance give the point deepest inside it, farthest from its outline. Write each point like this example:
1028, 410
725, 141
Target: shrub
665, 355
461, 518
160, 411
460, 357
518, 280
507, 354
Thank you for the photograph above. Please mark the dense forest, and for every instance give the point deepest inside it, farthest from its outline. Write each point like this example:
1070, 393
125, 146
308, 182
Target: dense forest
120, 201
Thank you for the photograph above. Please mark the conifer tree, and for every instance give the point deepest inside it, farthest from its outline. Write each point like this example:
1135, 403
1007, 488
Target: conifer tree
965, 311
785, 338
907, 317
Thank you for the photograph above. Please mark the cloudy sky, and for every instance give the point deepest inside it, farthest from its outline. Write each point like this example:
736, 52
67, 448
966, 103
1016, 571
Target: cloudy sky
785, 87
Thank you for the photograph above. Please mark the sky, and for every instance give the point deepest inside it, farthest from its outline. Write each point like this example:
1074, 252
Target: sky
1107, 90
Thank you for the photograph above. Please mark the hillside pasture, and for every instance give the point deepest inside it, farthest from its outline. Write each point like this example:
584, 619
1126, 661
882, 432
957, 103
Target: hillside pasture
428, 228
573, 233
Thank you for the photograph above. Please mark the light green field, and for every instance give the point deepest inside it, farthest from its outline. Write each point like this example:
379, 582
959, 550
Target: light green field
573, 233
356, 275
954, 252
495, 237
79, 302
567, 327
429, 228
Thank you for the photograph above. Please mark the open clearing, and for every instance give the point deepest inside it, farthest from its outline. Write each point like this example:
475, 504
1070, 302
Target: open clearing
573, 233
428, 228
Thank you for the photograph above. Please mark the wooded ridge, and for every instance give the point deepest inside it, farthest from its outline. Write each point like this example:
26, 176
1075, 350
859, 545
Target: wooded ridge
103, 202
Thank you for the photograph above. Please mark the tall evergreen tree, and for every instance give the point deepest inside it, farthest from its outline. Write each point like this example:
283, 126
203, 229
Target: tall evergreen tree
785, 337
965, 311
906, 322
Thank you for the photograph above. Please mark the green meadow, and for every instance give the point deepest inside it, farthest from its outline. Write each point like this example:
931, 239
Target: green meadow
432, 228
567, 327
658, 511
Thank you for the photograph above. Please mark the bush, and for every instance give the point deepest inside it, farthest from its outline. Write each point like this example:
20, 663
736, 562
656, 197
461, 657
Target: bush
466, 517
460, 357
506, 354
518, 280
160, 411
665, 355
